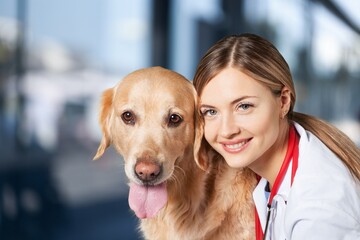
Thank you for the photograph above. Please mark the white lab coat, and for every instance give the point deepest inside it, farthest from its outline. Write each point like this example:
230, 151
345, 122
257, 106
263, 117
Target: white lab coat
322, 203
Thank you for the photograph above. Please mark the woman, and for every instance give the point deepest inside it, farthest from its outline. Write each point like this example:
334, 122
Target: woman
309, 172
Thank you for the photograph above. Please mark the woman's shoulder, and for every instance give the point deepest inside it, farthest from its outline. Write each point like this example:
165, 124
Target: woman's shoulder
322, 178
316, 159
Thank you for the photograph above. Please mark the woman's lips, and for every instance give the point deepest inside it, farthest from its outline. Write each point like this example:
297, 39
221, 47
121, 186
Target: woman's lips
235, 146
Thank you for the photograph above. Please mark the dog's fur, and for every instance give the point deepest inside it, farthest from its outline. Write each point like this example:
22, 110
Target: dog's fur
206, 199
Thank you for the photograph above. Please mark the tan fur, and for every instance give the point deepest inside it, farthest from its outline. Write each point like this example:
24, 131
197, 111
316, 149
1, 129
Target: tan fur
211, 204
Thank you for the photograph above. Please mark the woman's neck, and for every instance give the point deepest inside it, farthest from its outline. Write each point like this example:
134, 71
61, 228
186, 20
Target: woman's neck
268, 166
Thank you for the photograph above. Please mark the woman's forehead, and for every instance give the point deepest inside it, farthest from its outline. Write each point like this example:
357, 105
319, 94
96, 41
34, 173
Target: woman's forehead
230, 83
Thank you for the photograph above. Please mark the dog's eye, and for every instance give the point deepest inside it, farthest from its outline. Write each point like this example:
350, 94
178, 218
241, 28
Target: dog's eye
128, 118
174, 120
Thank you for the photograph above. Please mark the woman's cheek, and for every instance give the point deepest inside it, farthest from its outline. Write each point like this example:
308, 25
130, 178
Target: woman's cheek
209, 132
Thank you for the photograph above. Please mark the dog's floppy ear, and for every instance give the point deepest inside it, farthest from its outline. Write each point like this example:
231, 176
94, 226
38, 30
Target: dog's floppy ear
106, 103
200, 144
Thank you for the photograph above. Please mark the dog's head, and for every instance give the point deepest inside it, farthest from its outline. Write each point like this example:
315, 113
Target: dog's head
151, 118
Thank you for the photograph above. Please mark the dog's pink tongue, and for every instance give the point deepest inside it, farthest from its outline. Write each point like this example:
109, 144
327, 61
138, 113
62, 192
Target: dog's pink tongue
146, 201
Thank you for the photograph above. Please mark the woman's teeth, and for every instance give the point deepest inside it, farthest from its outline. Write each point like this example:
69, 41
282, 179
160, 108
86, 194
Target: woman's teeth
238, 145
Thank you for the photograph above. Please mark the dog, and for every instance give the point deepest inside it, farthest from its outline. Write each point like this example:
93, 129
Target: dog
179, 188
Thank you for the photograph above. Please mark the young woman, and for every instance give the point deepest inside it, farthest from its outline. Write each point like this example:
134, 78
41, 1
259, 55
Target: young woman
309, 172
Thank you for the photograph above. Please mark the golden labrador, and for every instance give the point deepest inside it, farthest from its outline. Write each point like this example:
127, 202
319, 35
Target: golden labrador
152, 120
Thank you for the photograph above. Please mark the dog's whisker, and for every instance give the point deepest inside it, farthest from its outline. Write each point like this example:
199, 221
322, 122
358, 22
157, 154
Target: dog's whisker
181, 174
181, 170
175, 177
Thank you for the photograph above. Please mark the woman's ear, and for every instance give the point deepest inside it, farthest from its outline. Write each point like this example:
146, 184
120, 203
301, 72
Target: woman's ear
105, 108
285, 101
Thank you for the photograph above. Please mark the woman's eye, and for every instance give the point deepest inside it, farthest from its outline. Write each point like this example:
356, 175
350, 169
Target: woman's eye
174, 120
128, 118
245, 106
209, 112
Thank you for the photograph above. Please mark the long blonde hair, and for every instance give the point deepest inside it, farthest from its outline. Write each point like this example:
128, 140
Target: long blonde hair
259, 59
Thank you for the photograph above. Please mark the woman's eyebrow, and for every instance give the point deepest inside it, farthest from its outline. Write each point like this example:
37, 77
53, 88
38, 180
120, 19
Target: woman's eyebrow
232, 102
242, 98
206, 106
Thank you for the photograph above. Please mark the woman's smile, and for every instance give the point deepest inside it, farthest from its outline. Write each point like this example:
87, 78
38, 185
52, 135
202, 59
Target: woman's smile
235, 146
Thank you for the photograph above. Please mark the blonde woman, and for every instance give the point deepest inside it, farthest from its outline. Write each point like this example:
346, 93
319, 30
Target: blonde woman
309, 171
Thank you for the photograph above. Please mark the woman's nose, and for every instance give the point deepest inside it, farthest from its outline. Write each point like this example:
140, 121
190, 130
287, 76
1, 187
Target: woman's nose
229, 127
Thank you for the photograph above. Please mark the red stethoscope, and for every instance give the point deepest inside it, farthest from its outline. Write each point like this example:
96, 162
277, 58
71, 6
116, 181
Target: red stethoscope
291, 153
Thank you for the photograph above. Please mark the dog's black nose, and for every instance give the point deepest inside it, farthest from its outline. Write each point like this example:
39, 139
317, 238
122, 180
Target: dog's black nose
147, 171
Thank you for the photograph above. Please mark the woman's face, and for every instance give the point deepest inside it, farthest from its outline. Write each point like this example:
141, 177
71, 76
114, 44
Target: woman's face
242, 119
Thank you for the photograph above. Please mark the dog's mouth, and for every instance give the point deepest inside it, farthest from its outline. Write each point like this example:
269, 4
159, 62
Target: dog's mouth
147, 200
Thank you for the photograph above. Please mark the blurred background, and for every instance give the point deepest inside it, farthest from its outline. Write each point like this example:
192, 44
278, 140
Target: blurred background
57, 56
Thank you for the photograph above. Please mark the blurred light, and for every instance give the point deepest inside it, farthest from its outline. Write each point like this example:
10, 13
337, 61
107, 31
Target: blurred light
131, 29
8, 31
55, 57
327, 53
